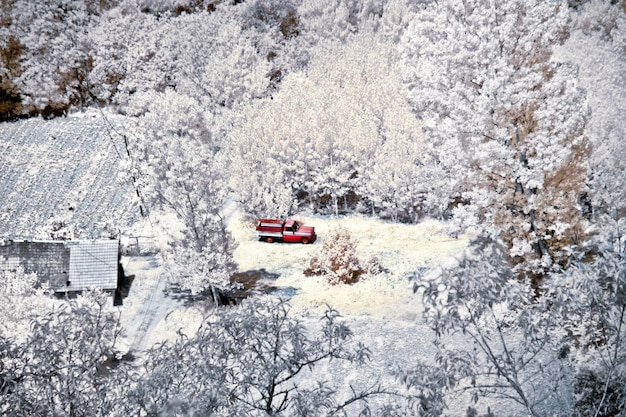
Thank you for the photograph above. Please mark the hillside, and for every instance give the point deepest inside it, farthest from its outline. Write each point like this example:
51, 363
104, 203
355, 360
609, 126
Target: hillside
473, 149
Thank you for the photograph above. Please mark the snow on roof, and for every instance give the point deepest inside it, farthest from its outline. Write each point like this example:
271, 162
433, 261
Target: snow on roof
65, 265
66, 168
93, 264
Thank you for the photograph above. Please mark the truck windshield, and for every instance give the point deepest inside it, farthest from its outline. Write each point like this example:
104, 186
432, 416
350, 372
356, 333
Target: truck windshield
296, 226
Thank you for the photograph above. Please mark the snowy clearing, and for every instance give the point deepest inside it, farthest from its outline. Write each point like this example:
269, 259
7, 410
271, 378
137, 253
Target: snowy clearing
150, 316
400, 248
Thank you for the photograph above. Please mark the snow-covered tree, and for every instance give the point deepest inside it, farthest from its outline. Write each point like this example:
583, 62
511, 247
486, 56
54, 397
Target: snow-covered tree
495, 337
251, 360
127, 56
259, 180
57, 51
397, 183
506, 123
216, 59
63, 366
319, 137
589, 300
210, 54
180, 167
301, 141
340, 19
552, 351
11, 50
22, 298
599, 29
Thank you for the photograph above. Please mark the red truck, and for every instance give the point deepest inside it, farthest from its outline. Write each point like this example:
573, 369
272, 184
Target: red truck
274, 230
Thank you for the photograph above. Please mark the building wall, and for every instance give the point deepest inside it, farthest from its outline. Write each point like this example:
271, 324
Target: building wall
49, 260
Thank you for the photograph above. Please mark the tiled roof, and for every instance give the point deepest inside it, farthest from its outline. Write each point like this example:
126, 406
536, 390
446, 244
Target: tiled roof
48, 259
93, 264
65, 265
66, 168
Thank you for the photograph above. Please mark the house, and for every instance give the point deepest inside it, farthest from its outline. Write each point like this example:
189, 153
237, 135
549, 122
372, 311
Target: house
67, 266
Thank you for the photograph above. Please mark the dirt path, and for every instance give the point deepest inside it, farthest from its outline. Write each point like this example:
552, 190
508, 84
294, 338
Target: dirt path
147, 303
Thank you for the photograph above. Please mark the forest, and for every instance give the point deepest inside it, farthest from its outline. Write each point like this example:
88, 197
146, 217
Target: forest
501, 120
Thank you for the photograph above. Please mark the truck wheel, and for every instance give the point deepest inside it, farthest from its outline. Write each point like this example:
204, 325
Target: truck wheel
305, 240
269, 240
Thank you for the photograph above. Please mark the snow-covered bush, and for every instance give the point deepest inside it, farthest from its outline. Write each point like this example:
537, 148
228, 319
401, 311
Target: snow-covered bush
338, 262
373, 266
59, 229
589, 300
597, 394
22, 298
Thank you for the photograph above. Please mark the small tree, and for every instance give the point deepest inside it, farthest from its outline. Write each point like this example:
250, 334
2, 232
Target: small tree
337, 260
590, 301
180, 164
22, 298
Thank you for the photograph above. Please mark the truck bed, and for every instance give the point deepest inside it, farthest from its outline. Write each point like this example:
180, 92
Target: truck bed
270, 225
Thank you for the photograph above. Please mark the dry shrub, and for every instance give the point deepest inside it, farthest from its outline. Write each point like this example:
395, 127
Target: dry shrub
337, 260
373, 266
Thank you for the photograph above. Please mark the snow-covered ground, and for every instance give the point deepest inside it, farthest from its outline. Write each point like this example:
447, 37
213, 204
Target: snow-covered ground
150, 316
381, 310
400, 248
